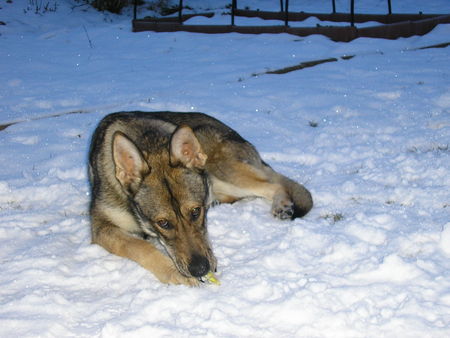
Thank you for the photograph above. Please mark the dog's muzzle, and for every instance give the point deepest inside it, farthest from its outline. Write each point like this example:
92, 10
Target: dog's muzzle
198, 266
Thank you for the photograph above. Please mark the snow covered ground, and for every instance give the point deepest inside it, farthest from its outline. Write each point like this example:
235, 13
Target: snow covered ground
368, 136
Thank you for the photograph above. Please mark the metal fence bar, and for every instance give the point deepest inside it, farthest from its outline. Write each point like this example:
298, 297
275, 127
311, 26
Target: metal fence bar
180, 12
352, 13
233, 9
389, 7
286, 19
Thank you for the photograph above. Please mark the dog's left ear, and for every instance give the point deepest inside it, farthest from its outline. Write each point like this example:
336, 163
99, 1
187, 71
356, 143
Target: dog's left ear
185, 149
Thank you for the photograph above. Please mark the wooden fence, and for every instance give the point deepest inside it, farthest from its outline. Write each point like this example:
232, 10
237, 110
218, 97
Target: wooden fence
392, 26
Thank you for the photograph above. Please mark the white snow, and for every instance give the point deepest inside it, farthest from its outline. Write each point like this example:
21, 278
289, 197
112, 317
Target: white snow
445, 239
368, 136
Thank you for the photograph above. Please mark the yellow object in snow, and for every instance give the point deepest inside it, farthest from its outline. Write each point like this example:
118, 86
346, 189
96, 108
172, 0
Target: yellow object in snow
210, 277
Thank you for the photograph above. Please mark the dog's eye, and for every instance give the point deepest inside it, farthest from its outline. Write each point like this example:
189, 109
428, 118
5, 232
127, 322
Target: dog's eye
164, 224
195, 213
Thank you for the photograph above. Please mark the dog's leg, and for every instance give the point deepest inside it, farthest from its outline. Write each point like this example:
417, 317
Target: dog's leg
119, 243
299, 197
289, 199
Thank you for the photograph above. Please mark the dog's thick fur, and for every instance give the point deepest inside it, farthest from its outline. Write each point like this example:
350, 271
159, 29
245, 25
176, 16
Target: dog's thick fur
153, 177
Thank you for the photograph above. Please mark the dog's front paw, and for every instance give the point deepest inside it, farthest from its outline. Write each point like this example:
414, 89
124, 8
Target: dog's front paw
174, 277
283, 208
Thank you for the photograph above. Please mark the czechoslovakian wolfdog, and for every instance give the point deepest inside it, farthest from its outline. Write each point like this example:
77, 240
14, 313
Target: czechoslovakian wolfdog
153, 177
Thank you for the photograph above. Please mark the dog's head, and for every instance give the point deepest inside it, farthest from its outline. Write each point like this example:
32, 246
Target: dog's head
167, 191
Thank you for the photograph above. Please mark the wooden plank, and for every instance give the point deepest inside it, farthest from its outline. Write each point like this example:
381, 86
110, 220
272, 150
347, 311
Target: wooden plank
336, 33
336, 17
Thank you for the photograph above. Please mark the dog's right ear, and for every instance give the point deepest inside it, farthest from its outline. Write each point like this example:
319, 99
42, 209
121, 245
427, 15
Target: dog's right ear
129, 162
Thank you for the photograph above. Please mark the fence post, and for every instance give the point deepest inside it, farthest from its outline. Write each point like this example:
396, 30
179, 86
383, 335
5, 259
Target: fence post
334, 5
389, 7
286, 18
233, 8
135, 9
281, 6
352, 12
180, 10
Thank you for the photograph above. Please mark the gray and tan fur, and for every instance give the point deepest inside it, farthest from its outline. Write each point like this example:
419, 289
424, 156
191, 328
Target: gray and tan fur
153, 177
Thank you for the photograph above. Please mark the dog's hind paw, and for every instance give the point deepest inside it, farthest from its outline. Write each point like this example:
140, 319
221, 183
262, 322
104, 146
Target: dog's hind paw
283, 209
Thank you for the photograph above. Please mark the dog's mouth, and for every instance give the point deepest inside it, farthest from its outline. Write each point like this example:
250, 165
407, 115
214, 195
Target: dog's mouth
210, 277
199, 268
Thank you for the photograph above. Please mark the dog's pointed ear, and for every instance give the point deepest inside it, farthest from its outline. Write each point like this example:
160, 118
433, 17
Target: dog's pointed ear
186, 149
130, 164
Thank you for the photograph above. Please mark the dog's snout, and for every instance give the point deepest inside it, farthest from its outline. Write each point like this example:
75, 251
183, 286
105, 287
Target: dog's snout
199, 266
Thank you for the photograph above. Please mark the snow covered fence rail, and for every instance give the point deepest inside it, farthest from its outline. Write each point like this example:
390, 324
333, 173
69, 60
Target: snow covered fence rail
335, 33
179, 19
335, 17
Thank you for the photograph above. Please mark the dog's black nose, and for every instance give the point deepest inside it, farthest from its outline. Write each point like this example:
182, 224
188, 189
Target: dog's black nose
199, 266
